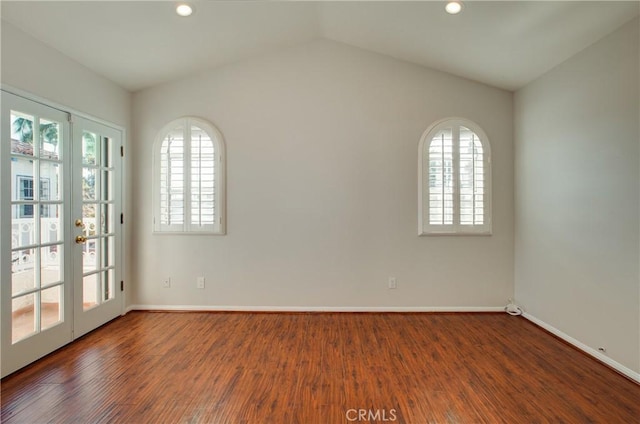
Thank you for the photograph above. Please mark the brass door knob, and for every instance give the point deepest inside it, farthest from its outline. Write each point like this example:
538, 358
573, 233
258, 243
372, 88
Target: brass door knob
79, 223
81, 239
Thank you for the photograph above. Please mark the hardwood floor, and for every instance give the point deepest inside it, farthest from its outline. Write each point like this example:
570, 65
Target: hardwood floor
318, 368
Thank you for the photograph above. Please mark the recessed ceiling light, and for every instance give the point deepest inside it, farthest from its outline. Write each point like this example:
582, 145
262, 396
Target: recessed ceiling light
453, 7
184, 10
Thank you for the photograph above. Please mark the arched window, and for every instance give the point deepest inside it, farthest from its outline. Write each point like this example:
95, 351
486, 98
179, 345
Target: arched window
455, 179
189, 178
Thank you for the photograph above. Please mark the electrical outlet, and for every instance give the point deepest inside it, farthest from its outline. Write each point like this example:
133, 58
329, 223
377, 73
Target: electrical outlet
393, 284
200, 283
166, 283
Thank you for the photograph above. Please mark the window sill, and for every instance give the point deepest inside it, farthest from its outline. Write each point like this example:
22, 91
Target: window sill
188, 233
455, 233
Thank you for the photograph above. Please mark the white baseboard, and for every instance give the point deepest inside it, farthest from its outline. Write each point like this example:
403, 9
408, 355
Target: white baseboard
593, 352
227, 308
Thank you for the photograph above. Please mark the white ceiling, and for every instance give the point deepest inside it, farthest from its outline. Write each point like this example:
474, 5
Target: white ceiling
138, 44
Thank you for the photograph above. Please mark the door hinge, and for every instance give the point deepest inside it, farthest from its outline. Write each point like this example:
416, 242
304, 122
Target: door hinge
121, 151
121, 285
122, 218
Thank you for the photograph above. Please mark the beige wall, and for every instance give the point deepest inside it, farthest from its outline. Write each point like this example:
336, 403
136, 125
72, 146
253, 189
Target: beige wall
322, 145
30, 65
577, 197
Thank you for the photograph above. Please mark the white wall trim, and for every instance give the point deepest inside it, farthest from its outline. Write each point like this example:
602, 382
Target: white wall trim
590, 351
229, 308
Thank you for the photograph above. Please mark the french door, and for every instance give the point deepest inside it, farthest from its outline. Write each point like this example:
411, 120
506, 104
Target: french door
60, 240
96, 224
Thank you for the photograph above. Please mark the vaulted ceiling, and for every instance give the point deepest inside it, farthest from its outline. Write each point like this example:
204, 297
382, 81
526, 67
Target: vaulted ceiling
138, 44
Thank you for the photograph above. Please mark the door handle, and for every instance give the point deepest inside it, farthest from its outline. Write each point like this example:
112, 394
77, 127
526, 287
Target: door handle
81, 239
79, 223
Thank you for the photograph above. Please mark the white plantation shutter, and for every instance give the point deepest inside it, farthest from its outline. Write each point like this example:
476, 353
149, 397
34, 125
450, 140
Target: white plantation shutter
440, 159
172, 178
190, 178
455, 169
471, 167
202, 178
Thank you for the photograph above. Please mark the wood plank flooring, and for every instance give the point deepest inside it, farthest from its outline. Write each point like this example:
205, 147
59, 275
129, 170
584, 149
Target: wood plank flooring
318, 368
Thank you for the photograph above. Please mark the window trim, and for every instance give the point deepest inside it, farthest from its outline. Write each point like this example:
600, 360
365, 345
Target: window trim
219, 228
424, 227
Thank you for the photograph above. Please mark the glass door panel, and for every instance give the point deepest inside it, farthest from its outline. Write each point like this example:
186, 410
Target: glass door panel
37, 204
98, 206
97, 210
